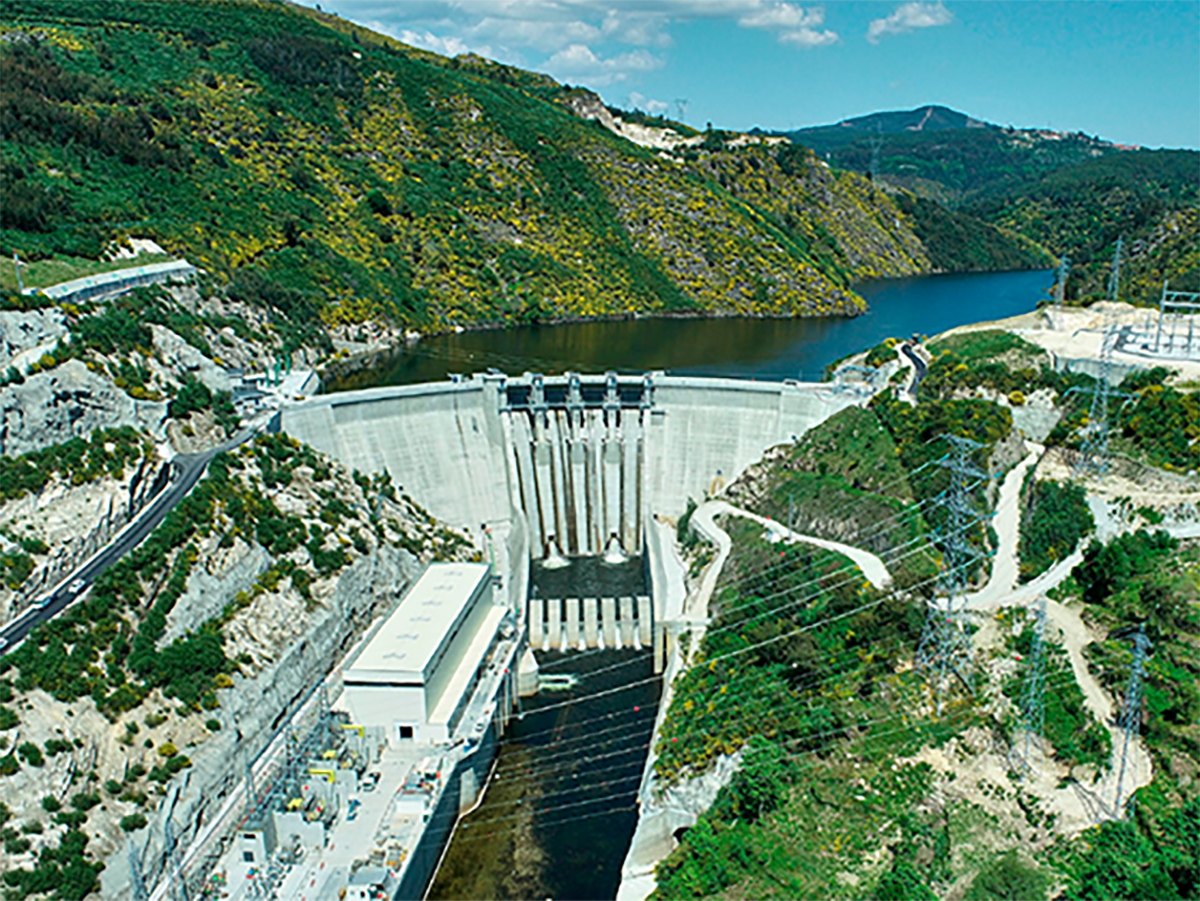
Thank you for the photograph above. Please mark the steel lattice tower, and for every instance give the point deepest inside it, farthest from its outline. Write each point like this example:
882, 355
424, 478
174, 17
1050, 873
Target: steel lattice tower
1131, 712
136, 877
1094, 452
1033, 700
945, 648
1060, 287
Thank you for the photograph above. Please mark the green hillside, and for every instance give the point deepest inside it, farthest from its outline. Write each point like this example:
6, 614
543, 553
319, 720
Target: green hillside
1148, 197
950, 157
335, 175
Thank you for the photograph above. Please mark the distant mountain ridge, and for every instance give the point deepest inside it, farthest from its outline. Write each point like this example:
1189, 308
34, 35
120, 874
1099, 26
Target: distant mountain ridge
930, 117
1071, 193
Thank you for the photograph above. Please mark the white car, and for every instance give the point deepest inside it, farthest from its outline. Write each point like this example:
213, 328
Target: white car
77, 586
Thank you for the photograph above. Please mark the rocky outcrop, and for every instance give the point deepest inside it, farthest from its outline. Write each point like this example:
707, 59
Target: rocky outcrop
258, 705
186, 359
66, 402
25, 331
214, 584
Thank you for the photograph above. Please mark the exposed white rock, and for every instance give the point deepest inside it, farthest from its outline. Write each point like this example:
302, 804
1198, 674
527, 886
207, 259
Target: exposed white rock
66, 402
21, 332
212, 584
177, 353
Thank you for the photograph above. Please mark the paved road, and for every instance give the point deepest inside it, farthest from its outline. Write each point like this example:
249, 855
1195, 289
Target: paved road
186, 470
918, 364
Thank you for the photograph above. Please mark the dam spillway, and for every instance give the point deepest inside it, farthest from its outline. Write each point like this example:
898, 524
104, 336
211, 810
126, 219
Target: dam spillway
540, 467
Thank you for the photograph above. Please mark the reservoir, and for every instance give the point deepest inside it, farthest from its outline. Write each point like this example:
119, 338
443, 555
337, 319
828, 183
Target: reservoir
770, 349
559, 812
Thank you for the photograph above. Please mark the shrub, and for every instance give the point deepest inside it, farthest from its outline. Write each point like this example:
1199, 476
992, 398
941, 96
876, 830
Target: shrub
31, 753
51, 804
133, 822
85, 801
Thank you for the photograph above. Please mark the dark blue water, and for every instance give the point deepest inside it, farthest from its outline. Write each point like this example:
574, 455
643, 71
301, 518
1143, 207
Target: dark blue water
771, 349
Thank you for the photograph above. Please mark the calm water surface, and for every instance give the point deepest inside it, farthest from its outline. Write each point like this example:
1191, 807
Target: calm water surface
772, 349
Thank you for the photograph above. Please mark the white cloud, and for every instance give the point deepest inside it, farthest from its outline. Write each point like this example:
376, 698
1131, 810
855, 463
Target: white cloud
909, 17
647, 104
782, 15
427, 40
579, 63
808, 37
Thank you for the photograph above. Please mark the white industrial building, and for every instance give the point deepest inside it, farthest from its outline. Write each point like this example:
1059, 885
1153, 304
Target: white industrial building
417, 673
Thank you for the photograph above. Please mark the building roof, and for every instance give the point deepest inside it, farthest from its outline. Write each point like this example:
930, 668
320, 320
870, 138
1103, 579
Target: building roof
117, 278
407, 641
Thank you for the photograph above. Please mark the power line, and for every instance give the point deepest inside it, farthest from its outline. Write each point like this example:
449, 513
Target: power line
945, 649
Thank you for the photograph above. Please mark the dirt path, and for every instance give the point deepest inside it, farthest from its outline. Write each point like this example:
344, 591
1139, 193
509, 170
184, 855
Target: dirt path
1076, 805
872, 567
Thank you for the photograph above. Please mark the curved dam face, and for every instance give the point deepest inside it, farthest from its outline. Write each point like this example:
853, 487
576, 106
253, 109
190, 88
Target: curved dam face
571, 465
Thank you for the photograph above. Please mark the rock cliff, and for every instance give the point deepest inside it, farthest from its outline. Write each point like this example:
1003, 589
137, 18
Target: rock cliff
65, 402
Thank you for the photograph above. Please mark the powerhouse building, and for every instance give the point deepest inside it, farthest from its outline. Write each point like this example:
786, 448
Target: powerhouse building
417, 673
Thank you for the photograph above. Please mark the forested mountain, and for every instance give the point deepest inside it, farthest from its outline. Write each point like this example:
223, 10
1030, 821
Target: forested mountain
334, 176
1148, 197
947, 155
1070, 194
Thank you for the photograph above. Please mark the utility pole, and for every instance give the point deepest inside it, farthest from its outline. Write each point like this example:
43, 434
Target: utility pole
1131, 713
945, 648
1094, 454
876, 144
681, 104
1033, 701
1060, 287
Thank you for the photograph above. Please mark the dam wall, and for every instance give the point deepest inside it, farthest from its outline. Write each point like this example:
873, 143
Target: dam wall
583, 457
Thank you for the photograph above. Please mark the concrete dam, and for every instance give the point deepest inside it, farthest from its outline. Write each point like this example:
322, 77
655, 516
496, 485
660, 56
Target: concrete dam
546, 468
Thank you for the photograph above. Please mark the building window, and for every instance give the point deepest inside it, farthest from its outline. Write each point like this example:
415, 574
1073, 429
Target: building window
406, 731
248, 856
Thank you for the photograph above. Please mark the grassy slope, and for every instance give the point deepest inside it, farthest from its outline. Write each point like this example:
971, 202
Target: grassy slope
62, 269
363, 178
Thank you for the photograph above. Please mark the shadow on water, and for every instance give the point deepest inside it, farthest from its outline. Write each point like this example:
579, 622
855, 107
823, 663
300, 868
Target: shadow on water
771, 349
559, 812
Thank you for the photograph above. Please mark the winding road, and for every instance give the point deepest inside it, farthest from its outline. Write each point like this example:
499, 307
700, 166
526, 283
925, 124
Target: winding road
186, 470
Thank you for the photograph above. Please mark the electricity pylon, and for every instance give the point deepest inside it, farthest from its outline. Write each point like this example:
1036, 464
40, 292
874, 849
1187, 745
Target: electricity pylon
1033, 700
1060, 286
1131, 713
945, 648
1094, 454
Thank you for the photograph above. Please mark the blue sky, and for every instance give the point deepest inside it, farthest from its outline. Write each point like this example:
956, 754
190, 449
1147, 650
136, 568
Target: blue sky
1128, 72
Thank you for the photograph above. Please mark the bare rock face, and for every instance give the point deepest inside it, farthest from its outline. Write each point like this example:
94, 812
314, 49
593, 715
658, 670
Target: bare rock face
22, 331
187, 359
66, 402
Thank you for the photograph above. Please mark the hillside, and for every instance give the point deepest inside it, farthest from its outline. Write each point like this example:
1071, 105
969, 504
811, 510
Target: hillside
947, 155
1148, 197
1071, 194
335, 176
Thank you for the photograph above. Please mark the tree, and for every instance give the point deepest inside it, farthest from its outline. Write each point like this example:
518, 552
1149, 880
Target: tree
1007, 878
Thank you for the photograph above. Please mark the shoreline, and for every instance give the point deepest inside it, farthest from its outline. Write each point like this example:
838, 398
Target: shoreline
338, 369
